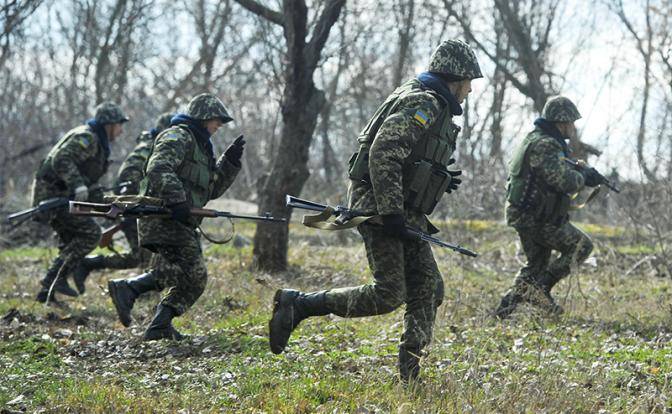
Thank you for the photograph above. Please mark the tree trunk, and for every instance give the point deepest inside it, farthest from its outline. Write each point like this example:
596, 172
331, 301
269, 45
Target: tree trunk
288, 174
301, 105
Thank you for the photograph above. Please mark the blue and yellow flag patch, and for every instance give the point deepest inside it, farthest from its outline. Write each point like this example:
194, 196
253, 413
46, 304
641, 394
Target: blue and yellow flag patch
421, 117
84, 142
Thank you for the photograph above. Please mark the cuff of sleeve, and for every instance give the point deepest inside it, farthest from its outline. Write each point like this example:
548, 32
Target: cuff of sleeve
74, 185
226, 167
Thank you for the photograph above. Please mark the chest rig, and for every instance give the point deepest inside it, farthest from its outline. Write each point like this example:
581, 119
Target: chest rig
91, 169
528, 193
196, 172
425, 175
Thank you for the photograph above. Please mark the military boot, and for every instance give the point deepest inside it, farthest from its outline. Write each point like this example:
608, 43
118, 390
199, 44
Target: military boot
61, 286
161, 326
290, 307
409, 364
508, 304
547, 302
84, 267
124, 292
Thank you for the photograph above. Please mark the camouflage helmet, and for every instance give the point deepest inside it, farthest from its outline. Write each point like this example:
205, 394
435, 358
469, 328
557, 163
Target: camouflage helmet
455, 58
560, 109
163, 121
109, 113
207, 106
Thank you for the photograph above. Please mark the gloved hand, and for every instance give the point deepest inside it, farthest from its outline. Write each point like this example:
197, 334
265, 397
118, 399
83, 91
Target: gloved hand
592, 177
96, 195
81, 193
454, 182
394, 225
180, 212
235, 151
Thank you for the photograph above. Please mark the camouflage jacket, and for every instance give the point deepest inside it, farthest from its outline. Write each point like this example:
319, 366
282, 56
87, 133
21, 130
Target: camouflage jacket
547, 179
132, 168
164, 179
392, 146
77, 159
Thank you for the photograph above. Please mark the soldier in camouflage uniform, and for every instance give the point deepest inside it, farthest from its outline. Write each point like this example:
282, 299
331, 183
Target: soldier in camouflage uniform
182, 171
539, 188
130, 172
71, 169
400, 173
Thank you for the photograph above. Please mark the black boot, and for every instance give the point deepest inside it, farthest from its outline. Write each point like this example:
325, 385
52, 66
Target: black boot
124, 292
161, 326
409, 364
546, 302
290, 307
84, 267
508, 304
61, 286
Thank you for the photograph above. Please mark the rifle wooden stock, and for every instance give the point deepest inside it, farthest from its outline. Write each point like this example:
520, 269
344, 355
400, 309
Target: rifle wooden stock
81, 208
108, 234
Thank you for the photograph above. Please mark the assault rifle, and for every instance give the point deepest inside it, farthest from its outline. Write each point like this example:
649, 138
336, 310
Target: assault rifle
602, 178
51, 204
128, 209
343, 215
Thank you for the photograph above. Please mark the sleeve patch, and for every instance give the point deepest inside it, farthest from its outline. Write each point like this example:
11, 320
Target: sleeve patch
84, 141
421, 117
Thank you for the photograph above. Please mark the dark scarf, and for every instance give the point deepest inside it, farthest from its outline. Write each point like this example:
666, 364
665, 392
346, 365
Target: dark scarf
550, 129
99, 130
154, 132
438, 84
197, 129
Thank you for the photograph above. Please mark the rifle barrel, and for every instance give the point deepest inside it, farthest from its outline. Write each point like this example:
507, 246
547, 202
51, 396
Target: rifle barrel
249, 217
291, 201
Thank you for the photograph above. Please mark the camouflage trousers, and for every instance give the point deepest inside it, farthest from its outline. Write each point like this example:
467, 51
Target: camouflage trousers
137, 257
181, 270
538, 244
77, 237
403, 272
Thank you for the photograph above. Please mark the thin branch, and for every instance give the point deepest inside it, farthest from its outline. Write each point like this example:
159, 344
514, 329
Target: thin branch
262, 11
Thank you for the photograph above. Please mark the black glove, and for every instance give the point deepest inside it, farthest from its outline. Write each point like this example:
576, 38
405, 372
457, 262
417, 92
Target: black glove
181, 212
394, 225
454, 182
235, 151
96, 195
593, 178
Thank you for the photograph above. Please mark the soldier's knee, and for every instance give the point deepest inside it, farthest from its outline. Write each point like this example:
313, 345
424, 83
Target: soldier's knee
91, 237
390, 298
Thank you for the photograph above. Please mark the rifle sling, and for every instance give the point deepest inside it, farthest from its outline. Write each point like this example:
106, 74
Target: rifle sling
324, 221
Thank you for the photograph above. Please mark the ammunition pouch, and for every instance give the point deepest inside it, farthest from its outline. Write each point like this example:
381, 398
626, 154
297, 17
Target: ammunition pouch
425, 186
359, 162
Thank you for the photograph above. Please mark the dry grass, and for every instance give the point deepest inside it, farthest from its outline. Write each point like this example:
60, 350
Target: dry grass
608, 353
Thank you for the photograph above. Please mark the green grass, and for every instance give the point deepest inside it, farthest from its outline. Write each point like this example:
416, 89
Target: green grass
608, 352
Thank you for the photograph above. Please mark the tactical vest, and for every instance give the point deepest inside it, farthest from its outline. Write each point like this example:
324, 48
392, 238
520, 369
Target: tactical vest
91, 169
529, 194
196, 172
425, 175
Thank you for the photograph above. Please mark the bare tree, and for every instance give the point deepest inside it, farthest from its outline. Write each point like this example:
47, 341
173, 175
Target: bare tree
301, 105
13, 13
404, 11
645, 48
